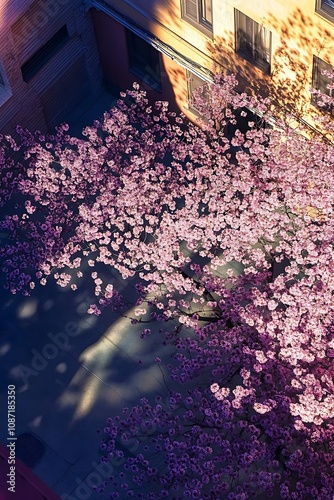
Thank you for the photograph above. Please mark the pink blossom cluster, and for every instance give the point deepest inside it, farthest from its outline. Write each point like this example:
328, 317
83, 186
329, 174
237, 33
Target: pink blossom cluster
228, 233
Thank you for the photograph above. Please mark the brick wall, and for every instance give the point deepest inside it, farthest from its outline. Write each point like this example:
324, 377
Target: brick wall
25, 27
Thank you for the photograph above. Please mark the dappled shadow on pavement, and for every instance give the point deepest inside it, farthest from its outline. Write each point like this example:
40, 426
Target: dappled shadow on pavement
72, 371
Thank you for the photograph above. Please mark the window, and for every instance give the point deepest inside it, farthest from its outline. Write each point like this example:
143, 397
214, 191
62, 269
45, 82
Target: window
320, 81
144, 61
36, 62
252, 41
5, 90
193, 83
198, 13
325, 8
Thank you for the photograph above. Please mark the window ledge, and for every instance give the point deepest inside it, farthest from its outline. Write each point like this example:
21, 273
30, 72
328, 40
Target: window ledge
324, 15
329, 109
145, 78
265, 67
200, 27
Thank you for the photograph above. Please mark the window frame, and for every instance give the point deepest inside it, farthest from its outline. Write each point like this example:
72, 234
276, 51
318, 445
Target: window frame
5, 89
325, 10
200, 20
260, 122
191, 88
256, 29
151, 72
316, 75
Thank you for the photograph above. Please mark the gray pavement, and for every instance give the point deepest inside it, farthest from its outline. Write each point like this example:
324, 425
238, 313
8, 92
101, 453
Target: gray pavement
71, 371
90, 111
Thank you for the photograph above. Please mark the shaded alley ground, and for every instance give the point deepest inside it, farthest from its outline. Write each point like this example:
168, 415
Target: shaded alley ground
72, 370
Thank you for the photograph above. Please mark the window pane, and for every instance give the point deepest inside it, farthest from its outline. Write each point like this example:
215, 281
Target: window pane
245, 34
262, 44
326, 8
252, 40
191, 9
198, 13
206, 8
36, 62
321, 81
194, 82
139, 54
144, 60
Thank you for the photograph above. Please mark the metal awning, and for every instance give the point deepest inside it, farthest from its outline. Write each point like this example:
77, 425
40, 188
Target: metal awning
158, 44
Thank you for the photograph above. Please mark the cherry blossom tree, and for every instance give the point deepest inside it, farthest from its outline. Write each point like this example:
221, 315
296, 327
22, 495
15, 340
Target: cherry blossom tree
230, 235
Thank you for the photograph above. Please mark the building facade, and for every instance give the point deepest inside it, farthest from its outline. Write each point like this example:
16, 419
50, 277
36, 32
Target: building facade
49, 64
276, 47
55, 54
